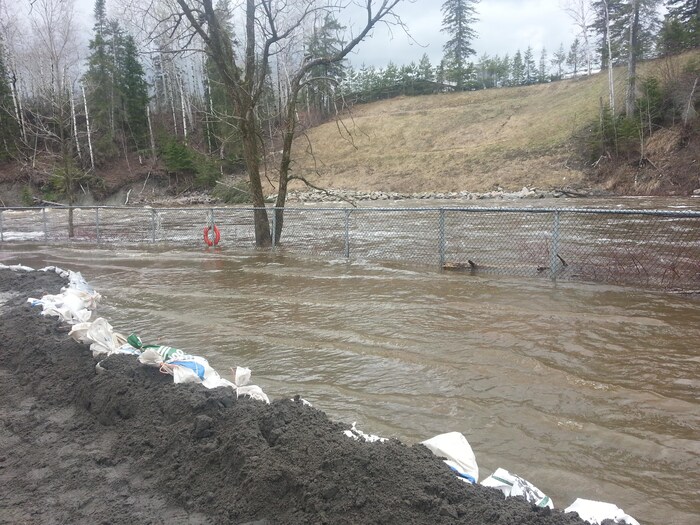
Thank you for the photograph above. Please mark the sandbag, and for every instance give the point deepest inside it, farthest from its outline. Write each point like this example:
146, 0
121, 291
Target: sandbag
596, 512
512, 485
458, 454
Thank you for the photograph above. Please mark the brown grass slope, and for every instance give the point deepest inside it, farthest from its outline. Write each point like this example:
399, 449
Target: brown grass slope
475, 141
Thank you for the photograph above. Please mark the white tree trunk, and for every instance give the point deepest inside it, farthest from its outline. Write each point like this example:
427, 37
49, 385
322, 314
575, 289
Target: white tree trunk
611, 79
75, 125
18, 109
87, 126
182, 108
150, 131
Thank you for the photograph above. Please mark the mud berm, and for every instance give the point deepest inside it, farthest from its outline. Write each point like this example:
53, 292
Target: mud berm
129, 446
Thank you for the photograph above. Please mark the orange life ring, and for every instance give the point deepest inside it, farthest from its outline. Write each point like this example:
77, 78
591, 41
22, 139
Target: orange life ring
217, 236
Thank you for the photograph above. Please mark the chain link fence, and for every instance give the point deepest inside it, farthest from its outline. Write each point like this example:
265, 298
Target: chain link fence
645, 248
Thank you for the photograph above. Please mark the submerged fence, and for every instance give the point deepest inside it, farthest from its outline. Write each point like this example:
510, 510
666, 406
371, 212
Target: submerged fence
645, 248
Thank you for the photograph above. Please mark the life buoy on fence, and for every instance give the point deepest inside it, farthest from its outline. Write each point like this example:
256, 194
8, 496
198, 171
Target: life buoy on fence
217, 236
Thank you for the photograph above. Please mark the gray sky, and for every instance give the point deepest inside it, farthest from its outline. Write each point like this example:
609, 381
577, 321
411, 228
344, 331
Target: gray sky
504, 27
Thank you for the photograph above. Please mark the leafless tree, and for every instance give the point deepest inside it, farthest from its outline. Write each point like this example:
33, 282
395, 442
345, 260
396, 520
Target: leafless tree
243, 59
581, 14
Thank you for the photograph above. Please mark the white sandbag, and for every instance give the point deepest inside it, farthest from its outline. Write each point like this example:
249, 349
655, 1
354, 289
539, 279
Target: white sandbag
358, 435
241, 375
18, 268
104, 339
512, 485
79, 332
254, 392
72, 306
63, 273
150, 357
596, 512
458, 454
187, 368
78, 282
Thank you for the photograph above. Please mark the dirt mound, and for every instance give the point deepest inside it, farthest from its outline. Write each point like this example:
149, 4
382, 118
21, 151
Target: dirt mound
126, 445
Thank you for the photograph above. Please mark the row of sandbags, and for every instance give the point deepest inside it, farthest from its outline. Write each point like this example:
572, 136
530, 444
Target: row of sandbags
75, 305
459, 456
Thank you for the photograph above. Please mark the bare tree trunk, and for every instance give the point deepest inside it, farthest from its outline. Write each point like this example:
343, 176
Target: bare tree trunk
75, 126
18, 108
611, 79
632, 61
150, 132
87, 125
182, 108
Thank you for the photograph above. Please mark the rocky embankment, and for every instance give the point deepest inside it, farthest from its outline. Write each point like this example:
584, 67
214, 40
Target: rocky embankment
334, 195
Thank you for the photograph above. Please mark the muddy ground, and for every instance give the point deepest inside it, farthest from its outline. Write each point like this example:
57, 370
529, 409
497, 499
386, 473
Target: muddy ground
129, 446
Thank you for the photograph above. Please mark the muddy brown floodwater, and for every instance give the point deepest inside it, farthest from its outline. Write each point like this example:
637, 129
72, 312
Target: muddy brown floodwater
585, 390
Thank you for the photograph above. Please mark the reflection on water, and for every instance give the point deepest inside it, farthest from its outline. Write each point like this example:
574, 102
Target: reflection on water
586, 391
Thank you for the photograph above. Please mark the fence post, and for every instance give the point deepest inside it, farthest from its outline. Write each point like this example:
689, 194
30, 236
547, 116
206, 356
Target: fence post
554, 253
347, 233
97, 224
153, 225
441, 237
274, 226
43, 218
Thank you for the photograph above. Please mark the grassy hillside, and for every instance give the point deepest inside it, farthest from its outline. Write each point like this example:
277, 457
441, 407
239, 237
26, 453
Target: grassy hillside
477, 141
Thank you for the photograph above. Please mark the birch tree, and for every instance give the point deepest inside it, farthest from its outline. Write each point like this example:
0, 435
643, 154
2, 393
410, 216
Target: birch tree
581, 13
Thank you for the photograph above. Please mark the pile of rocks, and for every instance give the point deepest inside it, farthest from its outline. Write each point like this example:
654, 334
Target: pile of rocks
333, 195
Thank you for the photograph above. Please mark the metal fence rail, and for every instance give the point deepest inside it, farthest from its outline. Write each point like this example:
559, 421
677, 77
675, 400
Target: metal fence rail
645, 248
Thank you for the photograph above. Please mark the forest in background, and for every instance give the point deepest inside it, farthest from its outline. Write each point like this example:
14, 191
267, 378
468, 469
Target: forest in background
152, 103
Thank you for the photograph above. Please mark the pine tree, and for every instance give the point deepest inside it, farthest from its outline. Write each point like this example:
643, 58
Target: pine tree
116, 88
542, 70
324, 41
558, 61
621, 14
681, 28
458, 20
609, 24
425, 69
133, 89
529, 65
8, 124
575, 57
683, 10
518, 69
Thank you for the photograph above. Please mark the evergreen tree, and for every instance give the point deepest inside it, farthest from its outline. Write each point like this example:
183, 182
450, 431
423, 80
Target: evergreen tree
116, 89
425, 69
133, 89
621, 14
458, 20
558, 61
504, 71
529, 65
8, 124
324, 78
575, 57
609, 23
518, 69
681, 28
99, 80
683, 10
542, 69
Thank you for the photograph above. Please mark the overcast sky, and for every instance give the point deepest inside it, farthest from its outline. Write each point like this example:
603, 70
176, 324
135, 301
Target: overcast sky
504, 26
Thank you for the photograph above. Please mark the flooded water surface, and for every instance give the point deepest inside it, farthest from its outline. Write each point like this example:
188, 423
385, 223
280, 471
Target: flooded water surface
585, 390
